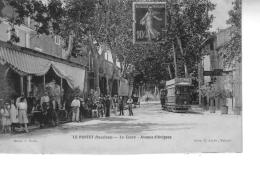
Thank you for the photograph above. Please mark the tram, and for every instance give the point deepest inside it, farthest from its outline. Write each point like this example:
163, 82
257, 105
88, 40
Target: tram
178, 97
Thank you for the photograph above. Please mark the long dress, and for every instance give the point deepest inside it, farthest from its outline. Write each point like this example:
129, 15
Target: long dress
14, 114
22, 113
147, 20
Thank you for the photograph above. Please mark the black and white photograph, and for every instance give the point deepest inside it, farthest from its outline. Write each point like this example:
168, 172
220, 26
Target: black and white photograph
120, 76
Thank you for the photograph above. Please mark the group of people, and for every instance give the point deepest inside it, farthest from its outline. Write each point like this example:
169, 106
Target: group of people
14, 114
100, 107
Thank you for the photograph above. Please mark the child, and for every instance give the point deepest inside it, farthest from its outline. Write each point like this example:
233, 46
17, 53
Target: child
6, 122
13, 116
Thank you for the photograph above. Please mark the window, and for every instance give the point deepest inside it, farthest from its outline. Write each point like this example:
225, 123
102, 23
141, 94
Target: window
57, 39
11, 31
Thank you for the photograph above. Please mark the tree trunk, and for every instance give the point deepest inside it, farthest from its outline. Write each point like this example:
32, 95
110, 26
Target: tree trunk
96, 64
175, 62
70, 46
183, 57
169, 69
131, 85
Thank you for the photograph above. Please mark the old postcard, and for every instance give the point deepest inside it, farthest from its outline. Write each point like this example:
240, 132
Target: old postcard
120, 76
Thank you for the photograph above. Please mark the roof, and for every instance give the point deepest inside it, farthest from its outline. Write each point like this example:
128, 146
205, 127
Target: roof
179, 81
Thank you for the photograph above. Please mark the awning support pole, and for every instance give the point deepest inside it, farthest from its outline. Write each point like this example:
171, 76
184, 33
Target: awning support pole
21, 85
28, 84
44, 82
61, 88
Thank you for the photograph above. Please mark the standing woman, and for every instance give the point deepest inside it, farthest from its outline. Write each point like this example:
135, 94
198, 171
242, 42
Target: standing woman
130, 106
22, 114
107, 106
13, 116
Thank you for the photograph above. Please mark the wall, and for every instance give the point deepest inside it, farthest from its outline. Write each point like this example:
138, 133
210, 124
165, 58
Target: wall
231, 81
23, 31
28, 37
46, 45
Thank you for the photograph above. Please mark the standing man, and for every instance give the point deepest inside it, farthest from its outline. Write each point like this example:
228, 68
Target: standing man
162, 97
107, 101
115, 102
22, 114
130, 106
75, 104
45, 100
121, 106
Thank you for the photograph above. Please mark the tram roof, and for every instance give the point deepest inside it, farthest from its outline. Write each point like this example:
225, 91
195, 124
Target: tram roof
179, 81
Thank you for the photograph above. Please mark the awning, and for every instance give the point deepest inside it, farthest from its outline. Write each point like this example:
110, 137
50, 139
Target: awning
33, 65
23, 62
73, 75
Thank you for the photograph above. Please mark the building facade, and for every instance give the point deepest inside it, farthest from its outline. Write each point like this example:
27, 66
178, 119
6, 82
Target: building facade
227, 80
52, 45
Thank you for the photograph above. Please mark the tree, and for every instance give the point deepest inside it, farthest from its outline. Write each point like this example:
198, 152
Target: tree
189, 24
232, 52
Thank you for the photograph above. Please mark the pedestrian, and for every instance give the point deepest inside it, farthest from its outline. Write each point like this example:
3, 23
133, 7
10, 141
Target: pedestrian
107, 101
51, 112
22, 114
82, 110
45, 100
121, 106
130, 106
75, 104
18, 100
89, 107
94, 110
163, 97
100, 109
14, 116
115, 103
6, 122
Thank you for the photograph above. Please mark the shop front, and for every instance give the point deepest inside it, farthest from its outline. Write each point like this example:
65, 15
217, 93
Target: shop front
29, 73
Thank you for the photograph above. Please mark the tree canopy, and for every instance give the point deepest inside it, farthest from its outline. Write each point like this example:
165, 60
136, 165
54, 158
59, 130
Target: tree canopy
232, 51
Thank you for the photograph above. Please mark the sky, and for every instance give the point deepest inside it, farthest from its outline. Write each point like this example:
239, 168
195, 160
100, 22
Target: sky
221, 13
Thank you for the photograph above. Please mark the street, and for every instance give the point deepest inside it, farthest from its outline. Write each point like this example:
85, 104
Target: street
150, 130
